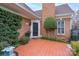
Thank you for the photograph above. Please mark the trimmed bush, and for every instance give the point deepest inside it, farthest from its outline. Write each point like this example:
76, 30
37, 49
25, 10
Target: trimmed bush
27, 34
24, 40
50, 23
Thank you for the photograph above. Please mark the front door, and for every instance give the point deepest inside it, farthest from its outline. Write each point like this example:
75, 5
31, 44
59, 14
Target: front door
35, 28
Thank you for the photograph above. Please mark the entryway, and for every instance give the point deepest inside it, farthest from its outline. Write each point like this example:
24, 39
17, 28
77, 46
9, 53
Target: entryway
35, 29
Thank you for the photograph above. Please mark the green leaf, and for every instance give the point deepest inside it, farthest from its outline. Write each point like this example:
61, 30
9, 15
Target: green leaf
50, 23
9, 24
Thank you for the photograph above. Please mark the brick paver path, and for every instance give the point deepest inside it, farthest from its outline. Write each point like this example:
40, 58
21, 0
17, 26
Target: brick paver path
38, 47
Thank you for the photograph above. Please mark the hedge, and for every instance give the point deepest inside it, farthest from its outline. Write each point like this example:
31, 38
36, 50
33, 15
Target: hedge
9, 24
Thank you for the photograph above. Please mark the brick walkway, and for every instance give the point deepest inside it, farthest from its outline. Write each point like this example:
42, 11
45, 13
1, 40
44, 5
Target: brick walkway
38, 47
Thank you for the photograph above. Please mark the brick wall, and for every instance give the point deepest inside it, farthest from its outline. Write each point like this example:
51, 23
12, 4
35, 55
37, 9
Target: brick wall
48, 9
25, 27
67, 33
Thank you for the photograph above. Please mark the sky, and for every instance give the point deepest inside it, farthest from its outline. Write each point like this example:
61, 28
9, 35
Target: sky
38, 6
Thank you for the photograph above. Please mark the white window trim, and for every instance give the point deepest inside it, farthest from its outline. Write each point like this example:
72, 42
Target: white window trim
64, 28
71, 20
66, 14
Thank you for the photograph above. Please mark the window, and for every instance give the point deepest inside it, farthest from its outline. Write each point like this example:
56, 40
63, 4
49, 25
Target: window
60, 26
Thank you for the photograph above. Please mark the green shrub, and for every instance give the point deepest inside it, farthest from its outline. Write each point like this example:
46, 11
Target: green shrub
3, 45
54, 39
27, 34
24, 40
44, 37
50, 23
9, 24
61, 40
58, 40
77, 49
75, 46
15, 42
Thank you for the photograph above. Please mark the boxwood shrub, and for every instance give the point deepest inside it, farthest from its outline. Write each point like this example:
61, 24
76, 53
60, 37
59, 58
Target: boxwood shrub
25, 39
50, 23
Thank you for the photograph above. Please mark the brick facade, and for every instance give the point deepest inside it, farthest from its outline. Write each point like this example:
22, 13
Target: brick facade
25, 27
67, 33
49, 10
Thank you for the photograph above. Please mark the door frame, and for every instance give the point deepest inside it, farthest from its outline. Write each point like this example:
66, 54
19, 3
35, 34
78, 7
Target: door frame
31, 29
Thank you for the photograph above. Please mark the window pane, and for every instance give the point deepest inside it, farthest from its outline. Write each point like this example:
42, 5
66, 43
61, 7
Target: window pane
62, 30
60, 26
59, 30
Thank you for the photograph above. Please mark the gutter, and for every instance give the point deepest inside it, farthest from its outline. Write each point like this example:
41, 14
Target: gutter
11, 11
27, 10
66, 14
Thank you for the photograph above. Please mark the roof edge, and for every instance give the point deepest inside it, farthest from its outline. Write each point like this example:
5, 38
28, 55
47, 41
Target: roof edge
27, 10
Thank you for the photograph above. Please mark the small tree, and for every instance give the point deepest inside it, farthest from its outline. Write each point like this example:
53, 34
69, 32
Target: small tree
50, 24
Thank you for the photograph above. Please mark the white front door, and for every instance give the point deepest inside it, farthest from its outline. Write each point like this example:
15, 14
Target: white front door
35, 29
